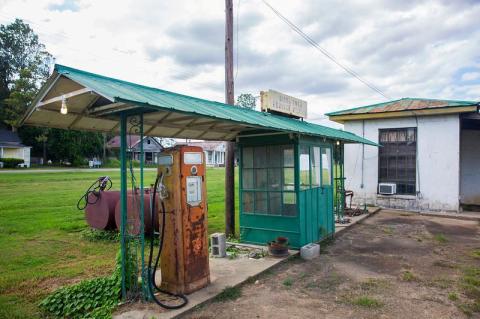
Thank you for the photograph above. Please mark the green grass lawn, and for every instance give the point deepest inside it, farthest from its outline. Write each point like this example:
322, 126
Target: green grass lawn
40, 244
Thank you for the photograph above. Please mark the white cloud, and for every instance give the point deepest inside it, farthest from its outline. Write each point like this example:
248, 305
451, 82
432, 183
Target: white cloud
470, 76
406, 48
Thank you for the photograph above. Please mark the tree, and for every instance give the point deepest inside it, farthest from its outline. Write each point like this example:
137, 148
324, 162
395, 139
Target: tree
246, 100
21, 95
24, 63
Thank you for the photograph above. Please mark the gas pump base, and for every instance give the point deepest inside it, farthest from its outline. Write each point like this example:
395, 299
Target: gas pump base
185, 258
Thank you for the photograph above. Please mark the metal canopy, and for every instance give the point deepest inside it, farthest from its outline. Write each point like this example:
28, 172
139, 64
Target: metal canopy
95, 103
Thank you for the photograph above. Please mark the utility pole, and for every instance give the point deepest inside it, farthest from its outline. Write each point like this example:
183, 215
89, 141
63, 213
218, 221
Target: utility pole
229, 99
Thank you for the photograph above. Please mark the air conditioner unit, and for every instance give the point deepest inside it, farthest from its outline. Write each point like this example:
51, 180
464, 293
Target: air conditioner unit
387, 188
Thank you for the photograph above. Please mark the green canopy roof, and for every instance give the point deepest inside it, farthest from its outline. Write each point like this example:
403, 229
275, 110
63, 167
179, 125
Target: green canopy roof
95, 101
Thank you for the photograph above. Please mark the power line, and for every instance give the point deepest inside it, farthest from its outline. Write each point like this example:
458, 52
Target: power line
325, 52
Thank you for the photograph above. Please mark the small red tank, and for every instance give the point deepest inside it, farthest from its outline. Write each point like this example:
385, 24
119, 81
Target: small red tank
133, 215
101, 214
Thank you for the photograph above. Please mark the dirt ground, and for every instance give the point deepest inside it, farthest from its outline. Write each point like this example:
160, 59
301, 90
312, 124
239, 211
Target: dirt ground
393, 265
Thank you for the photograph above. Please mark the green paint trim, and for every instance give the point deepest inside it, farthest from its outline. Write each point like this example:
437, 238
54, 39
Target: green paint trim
123, 199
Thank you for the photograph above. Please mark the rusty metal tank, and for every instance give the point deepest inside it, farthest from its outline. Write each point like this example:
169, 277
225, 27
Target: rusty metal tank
101, 213
133, 215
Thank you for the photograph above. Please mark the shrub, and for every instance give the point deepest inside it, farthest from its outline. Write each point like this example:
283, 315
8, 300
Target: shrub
11, 162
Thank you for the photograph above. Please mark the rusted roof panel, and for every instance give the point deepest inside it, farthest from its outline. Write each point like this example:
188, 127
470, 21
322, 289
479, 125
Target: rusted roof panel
405, 104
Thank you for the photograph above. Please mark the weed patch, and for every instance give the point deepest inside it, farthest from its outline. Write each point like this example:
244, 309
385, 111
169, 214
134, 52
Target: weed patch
409, 276
452, 296
288, 282
475, 254
440, 238
366, 302
229, 293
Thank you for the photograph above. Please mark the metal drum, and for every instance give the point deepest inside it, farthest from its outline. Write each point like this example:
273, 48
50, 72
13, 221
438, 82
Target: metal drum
101, 214
133, 215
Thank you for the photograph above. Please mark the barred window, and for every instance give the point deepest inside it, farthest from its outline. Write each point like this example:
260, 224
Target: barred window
397, 158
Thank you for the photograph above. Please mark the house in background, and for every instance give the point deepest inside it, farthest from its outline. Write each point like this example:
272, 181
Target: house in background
214, 152
11, 147
151, 147
429, 159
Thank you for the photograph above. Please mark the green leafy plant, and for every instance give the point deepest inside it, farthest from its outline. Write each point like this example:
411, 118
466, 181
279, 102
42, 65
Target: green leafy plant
92, 298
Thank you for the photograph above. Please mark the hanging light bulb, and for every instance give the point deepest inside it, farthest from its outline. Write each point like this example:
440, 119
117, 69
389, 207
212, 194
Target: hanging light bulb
64, 109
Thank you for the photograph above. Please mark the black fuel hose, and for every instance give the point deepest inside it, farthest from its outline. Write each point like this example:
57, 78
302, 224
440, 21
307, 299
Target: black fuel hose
102, 183
151, 273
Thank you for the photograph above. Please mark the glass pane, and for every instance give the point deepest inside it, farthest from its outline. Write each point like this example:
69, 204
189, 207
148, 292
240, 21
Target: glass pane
247, 178
261, 178
275, 178
274, 156
261, 202
288, 160
275, 203
304, 167
260, 156
289, 204
326, 166
289, 179
247, 202
315, 162
247, 157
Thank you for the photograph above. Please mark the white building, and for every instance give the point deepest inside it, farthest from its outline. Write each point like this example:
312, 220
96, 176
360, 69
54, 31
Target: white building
430, 151
214, 152
11, 147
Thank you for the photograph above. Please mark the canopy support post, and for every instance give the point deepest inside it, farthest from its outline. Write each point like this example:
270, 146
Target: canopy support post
123, 199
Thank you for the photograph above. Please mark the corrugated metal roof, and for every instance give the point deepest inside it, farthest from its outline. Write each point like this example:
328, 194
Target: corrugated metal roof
405, 104
156, 99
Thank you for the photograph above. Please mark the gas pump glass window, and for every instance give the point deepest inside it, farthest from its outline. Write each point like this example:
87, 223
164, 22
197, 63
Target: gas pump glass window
326, 166
268, 181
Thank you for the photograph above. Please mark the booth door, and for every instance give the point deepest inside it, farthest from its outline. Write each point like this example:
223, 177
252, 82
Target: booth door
316, 193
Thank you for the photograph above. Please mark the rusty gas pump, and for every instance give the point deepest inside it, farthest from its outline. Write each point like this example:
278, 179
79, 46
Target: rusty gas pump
184, 258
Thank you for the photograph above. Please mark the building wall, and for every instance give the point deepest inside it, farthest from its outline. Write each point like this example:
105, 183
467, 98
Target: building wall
438, 163
470, 167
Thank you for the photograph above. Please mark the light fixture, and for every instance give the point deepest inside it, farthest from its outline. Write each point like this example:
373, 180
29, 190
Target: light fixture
338, 142
64, 109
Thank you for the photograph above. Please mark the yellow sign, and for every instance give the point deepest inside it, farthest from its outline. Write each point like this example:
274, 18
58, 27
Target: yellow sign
282, 103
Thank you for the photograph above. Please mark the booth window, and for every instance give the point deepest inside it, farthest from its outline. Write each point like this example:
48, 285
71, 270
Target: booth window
326, 166
304, 167
268, 180
397, 158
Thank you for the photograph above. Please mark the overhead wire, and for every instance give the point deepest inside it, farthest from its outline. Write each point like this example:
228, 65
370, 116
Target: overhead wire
325, 52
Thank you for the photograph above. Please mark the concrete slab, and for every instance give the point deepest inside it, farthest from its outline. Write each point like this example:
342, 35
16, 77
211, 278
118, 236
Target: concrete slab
224, 272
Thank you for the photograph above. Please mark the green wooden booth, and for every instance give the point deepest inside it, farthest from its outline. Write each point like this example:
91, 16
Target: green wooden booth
286, 188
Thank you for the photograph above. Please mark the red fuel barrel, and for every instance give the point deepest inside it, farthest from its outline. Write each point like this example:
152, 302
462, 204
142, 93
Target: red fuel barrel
133, 213
101, 214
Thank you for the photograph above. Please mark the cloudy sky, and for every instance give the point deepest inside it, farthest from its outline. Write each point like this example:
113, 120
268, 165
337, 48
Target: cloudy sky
405, 48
